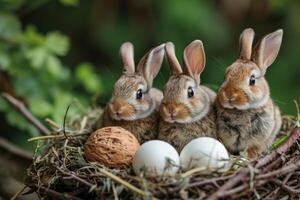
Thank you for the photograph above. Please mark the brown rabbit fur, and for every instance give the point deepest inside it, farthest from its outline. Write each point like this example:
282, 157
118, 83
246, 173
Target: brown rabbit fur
247, 118
134, 103
187, 107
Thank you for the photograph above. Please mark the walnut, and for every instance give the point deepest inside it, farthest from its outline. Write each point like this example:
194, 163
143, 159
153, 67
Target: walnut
111, 146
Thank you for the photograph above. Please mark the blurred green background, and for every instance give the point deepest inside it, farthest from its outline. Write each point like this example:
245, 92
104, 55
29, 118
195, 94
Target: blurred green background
55, 51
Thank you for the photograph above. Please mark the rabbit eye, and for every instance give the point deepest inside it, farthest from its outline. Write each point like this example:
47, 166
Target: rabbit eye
139, 94
190, 92
252, 80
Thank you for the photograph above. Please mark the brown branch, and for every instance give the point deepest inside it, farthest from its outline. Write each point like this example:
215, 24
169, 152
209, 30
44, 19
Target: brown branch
274, 193
11, 148
280, 150
285, 187
17, 195
73, 176
236, 190
53, 124
208, 181
243, 174
234, 193
284, 170
19, 106
57, 195
274, 164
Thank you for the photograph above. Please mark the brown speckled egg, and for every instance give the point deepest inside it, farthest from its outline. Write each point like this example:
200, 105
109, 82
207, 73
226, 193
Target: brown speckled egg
111, 146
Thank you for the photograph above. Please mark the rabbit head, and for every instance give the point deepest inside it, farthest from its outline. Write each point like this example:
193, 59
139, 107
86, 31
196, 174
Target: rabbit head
245, 86
131, 99
185, 101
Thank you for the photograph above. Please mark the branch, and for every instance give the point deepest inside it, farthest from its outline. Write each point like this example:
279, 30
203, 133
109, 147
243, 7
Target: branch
19, 106
91, 186
280, 150
208, 181
284, 170
14, 149
285, 180
243, 174
285, 187
57, 195
19, 193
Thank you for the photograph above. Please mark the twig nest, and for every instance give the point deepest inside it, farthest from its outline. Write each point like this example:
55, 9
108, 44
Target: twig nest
205, 152
111, 146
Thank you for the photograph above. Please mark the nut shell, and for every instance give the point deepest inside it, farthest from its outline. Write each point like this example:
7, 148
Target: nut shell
111, 146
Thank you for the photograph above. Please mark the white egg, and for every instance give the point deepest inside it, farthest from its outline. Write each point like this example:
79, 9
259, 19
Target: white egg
156, 157
204, 152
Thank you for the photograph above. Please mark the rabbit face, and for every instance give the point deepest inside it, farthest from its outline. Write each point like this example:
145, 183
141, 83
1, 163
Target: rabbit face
244, 87
131, 99
184, 101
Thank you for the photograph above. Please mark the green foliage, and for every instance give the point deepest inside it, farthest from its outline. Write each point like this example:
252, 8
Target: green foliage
9, 25
86, 75
34, 62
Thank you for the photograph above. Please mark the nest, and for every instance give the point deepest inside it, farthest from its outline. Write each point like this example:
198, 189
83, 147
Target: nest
60, 171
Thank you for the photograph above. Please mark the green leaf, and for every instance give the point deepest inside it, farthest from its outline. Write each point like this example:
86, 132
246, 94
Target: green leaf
37, 57
29, 87
40, 107
4, 60
279, 141
54, 66
57, 43
61, 101
9, 25
88, 78
32, 37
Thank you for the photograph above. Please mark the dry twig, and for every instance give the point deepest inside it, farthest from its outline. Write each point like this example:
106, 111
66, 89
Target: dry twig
19, 106
14, 149
242, 176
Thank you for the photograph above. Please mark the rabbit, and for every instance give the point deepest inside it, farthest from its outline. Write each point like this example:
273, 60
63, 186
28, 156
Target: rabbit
247, 118
134, 104
187, 107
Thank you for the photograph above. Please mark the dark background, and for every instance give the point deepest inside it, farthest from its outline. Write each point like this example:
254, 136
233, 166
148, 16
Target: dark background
53, 53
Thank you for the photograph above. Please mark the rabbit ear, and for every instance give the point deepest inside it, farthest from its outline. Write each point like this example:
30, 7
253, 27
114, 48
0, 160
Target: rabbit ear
267, 49
127, 56
194, 59
150, 64
172, 59
246, 40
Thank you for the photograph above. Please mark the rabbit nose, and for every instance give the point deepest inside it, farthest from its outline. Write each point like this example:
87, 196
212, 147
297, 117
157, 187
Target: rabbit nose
172, 115
172, 109
119, 111
231, 96
117, 106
